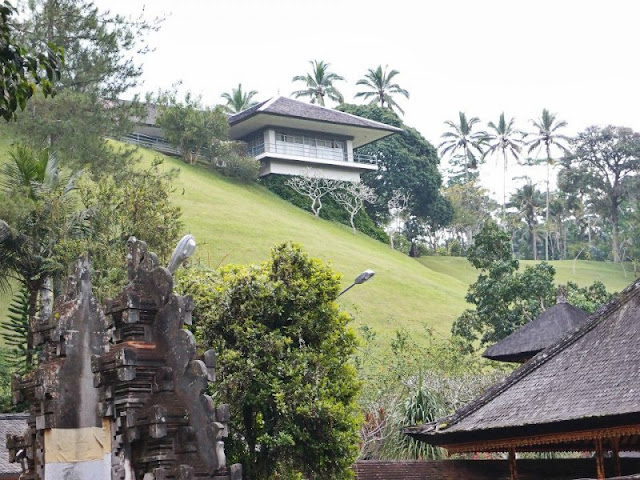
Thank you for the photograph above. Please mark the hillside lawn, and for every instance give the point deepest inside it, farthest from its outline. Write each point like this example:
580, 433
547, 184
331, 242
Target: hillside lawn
239, 223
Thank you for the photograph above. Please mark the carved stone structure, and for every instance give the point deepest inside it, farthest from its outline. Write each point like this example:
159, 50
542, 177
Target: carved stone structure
121, 394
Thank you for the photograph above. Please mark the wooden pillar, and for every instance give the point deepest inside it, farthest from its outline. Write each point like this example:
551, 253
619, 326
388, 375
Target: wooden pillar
599, 459
615, 451
513, 470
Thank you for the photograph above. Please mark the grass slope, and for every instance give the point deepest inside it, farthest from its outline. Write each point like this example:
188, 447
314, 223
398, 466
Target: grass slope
581, 272
238, 223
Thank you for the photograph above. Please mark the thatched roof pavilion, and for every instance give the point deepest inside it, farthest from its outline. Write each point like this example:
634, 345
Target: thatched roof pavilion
580, 394
533, 337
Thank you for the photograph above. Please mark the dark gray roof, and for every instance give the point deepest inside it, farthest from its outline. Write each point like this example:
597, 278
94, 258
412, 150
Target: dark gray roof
10, 424
288, 107
533, 337
591, 375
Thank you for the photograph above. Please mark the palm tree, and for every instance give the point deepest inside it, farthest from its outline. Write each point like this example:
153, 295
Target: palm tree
28, 248
504, 139
527, 199
319, 83
238, 100
381, 88
463, 138
547, 135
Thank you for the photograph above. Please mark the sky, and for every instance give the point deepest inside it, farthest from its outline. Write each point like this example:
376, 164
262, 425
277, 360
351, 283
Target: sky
578, 59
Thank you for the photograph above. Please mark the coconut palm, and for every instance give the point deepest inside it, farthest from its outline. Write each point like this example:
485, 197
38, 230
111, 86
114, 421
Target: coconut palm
381, 88
504, 139
528, 199
547, 136
319, 83
238, 100
463, 138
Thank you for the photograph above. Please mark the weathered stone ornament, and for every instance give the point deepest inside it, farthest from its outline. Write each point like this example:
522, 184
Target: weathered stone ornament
121, 394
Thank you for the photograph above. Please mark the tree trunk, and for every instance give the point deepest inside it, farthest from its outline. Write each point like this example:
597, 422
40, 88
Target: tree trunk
546, 226
614, 230
504, 189
46, 299
534, 244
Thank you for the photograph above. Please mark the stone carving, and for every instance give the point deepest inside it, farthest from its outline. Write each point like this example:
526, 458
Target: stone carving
133, 365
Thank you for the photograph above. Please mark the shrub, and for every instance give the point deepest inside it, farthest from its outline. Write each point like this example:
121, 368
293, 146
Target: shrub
242, 167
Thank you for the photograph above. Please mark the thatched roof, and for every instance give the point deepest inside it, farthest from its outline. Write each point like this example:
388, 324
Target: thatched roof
533, 337
585, 386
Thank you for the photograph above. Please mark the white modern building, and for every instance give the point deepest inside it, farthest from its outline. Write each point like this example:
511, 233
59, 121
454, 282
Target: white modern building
288, 137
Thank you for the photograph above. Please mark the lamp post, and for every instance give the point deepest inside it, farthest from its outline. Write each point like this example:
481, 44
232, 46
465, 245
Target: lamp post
363, 277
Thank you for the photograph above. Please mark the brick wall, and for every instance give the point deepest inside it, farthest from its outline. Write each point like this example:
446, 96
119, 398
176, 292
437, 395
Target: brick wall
557, 469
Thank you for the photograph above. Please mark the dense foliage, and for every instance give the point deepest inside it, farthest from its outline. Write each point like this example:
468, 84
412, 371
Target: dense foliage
283, 350
406, 162
505, 298
22, 70
99, 49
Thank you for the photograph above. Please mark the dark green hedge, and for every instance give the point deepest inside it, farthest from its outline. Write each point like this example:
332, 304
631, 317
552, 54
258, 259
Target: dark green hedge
331, 210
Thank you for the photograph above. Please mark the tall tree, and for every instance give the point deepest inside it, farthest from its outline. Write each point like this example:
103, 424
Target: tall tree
284, 352
505, 139
504, 298
547, 136
381, 88
527, 200
463, 138
409, 163
471, 207
237, 100
319, 83
604, 161
102, 61
22, 69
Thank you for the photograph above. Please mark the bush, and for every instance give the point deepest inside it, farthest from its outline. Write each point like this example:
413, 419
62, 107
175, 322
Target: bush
331, 210
242, 167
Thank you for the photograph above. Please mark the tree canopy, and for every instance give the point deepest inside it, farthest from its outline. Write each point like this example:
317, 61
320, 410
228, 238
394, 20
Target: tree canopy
22, 68
407, 162
319, 83
283, 349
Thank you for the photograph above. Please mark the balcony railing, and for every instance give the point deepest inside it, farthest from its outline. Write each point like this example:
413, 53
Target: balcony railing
322, 153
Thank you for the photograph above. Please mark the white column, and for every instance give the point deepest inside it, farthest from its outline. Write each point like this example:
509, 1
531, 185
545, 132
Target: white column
350, 150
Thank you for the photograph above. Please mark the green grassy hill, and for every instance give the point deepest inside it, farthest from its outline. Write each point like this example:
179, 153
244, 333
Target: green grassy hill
581, 272
238, 223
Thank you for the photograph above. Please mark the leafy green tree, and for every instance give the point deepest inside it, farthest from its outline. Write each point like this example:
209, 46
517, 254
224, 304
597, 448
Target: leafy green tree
604, 162
21, 70
102, 61
138, 204
504, 299
463, 138
527, 199
381, 89
197, 130
506, 140
588, 298
319, 83
471, 207
284, 350
547, 136
407, 162
238, 100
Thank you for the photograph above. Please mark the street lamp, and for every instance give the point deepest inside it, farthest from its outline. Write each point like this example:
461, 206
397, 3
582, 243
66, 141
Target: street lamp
363, 277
